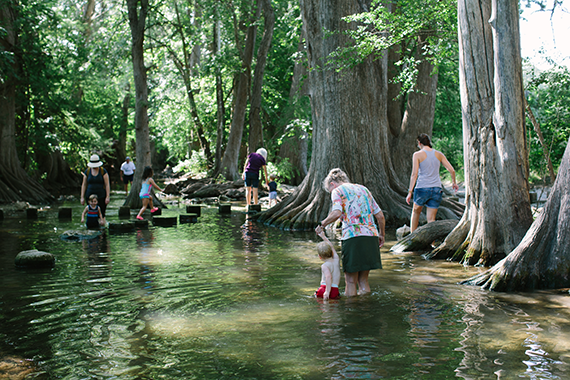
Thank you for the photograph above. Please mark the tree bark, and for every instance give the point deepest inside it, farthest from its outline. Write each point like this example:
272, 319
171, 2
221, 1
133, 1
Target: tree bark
497, 199
542, 259
15, 184
350, 125
229, 167
138, 11
255, 127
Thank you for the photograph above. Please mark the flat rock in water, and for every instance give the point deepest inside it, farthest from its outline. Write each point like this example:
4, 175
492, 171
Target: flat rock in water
74, 235
35, 259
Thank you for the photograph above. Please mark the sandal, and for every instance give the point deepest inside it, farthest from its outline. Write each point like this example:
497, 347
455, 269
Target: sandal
140, 217
155, 209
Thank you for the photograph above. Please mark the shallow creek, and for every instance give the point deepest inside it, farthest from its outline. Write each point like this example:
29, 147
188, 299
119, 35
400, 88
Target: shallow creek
227, 298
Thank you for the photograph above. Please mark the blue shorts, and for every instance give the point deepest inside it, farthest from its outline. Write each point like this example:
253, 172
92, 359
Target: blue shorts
273, 195
252, 179
428, 196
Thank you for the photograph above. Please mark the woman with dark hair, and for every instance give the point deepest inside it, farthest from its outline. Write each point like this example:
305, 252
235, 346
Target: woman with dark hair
96, 181
425, 179
361, 240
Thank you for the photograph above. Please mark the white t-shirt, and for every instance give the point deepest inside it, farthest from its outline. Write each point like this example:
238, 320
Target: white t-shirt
128, 168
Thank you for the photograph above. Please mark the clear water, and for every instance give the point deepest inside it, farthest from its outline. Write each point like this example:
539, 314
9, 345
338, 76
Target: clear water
230, 299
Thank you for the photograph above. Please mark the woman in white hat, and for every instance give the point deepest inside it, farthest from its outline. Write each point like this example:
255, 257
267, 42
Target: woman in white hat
96, 181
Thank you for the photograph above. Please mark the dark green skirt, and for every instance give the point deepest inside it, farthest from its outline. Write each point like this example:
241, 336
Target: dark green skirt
361, 253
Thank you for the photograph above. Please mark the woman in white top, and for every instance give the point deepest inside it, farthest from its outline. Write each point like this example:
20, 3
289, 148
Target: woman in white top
425, 179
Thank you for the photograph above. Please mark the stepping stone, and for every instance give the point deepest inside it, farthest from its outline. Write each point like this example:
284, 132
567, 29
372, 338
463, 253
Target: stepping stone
119, 227
32, 213
533, 197
141, 223
124, 212
253, 209
164, 221
35, 259
192, 209
64, 213
188, 218
225, 208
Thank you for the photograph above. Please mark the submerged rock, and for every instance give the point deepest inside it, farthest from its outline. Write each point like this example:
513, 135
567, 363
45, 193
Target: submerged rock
74, 235
35, 259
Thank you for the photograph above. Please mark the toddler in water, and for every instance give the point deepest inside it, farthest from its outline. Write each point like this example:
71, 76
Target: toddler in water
272, 190
93, 212
330, 269
146, 186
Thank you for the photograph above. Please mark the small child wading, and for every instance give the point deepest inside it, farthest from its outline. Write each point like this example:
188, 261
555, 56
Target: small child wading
93, 213
330, 269
147, 185
272, 190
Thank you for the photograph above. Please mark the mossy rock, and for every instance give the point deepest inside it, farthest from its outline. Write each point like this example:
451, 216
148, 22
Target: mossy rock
35, 259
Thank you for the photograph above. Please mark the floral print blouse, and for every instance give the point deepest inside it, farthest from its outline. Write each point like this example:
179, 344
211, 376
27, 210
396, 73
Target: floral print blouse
358, 208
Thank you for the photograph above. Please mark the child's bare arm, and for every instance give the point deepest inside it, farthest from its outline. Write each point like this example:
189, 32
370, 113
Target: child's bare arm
328, 281
326, 240
83, 215
155, 185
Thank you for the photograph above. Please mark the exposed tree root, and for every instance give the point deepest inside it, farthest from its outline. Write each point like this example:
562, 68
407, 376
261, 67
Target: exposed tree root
422, 238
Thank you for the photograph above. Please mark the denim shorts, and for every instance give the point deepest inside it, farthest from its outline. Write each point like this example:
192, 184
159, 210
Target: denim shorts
252, 179
428, 196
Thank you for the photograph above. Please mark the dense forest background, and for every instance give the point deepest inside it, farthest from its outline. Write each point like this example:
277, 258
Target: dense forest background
71, 66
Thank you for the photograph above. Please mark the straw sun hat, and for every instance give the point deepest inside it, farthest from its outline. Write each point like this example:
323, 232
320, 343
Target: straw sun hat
94, 161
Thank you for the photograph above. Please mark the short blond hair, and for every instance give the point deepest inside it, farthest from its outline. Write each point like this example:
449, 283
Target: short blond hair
324, 250
335, 175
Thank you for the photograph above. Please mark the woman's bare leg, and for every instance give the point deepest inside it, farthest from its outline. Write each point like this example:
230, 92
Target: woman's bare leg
416, 212
350, 287
363, 285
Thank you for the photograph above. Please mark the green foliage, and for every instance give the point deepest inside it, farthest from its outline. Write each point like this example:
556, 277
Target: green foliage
401, 25
197, 165
447, 127
282, 169
548, 94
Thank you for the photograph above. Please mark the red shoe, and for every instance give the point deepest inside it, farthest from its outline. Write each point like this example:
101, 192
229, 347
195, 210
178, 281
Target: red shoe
140, 217
154, 210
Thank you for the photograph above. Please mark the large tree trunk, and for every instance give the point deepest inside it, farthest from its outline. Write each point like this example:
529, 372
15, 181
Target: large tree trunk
138, 10
60, 179
542, 259
255, 127
15, 184
350, 125
497, 200
229, 166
